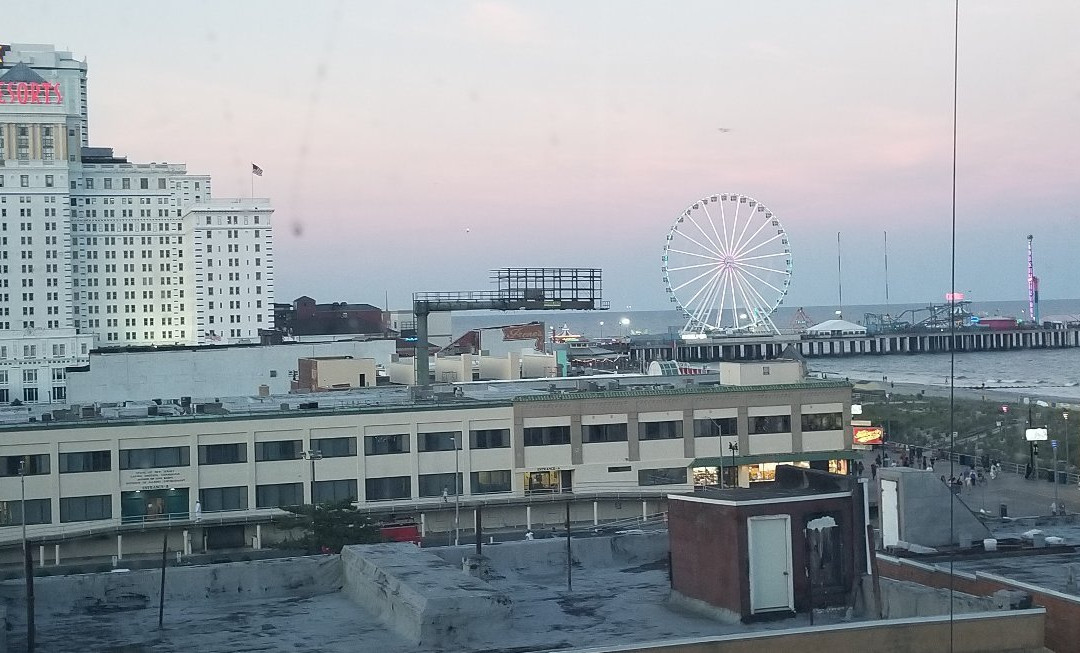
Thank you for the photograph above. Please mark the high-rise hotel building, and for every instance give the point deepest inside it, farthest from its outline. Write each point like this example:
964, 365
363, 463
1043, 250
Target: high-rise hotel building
98, 252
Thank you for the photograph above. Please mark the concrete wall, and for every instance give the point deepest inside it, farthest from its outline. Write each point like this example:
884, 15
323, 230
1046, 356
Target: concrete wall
1019, 631
205, 373
420, 596
338, 372
538, 366
923, 503
403, 371
903, 599
1062, 610
760, 372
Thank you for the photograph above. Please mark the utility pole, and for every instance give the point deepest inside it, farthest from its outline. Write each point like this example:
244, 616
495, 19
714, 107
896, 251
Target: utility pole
312, 455
457, 492
28, 562
1068, 460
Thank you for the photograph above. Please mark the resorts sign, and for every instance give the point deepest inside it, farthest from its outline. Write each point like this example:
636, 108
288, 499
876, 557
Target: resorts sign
30, 93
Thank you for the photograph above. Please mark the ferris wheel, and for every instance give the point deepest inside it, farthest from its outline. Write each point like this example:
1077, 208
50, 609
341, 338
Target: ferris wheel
727, 265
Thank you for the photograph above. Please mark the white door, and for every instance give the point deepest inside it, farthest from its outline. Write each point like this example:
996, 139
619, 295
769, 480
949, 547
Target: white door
769, 540
890, 514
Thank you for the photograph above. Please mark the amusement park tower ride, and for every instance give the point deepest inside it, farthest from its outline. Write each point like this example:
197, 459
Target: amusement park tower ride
1033, 286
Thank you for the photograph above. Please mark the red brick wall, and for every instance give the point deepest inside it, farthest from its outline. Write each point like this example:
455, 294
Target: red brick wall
708, 559
1062, 615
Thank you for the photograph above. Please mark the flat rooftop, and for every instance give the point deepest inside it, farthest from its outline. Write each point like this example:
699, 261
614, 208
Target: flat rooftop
482, 394
619, 595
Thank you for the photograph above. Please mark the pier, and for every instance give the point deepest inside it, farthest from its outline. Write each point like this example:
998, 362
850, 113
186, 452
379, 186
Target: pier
764, 346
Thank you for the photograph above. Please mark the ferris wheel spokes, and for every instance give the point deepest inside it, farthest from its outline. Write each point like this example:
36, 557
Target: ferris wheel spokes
731, 270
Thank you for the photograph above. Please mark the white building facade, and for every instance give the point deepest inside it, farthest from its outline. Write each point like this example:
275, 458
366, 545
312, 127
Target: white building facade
96, 251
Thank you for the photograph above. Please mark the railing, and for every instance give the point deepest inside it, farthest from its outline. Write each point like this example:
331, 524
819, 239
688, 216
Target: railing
1007, 467
139, 523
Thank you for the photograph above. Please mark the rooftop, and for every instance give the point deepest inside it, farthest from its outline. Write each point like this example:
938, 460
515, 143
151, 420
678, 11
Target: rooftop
481, 394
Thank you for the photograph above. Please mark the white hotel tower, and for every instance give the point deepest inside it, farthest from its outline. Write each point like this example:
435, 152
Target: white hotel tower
97, 252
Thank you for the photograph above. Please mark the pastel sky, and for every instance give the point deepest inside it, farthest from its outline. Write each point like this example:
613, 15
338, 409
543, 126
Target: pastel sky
417, 145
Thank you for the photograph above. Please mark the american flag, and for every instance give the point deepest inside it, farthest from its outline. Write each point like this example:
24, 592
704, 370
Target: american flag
256, 170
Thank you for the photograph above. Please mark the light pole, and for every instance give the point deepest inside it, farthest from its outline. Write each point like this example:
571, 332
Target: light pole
28, 561
601, 329
457, 493
1068, 461
626, 325
22, 501
312, 455
734, 448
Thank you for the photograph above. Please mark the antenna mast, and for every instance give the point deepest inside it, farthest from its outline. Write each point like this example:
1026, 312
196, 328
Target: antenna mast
1033, 285
886, 272
839, 278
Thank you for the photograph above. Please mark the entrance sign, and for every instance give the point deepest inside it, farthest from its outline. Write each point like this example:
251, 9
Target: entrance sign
154, 479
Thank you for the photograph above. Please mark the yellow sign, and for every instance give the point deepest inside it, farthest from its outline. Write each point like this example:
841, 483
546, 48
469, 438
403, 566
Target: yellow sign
4, 49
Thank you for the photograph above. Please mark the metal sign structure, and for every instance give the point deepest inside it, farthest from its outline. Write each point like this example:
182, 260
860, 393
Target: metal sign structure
517, 289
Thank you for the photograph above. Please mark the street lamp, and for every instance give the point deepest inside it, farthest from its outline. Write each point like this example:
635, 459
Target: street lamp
457, 492
601, 329
626, 325
312, 455
734, 448
1068, 461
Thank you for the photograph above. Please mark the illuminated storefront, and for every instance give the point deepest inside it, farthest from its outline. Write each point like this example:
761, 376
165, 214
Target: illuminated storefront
756, 469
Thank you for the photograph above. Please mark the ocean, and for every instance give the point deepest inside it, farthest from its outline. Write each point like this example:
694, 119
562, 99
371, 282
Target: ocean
1053, 372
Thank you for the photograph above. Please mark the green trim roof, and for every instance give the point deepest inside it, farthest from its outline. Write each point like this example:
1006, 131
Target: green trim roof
690, 390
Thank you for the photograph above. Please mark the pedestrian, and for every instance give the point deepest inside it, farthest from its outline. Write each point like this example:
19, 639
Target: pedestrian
860, 468
924, 464
873, 471
198, 511
877, 459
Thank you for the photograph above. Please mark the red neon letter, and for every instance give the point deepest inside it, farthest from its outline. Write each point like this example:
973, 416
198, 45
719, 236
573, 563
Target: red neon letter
35, 92
3, 87
22, 92
59, 96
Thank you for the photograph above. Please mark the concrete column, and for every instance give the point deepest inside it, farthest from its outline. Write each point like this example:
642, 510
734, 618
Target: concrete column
258, 536
633, 444
41, 555
528, 518
644, 509
187, 542
423, 525
119, 547
576, 456
475, 521
688, 433
517, 437
56, 555
796, 427
595, 514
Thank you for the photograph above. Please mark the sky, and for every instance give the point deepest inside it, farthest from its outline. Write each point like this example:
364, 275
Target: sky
414, 146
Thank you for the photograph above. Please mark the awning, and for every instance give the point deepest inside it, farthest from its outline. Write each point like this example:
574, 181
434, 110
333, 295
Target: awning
726, 461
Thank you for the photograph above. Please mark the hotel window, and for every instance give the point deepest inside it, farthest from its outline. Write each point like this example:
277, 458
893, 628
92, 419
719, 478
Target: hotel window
49, 181
144, 183
108, 183
278, 495
438, 441
663, 476
279, 450
24, 181
491, 482
660, 430
92, 508
155, 457
380, 445
38, 511
125, 184
822, 422
604, 433
35, 465
85, 461
489, 439
390, 487
766, 424
334, 447
541, 436
219, 499
715, 427
336, 491
222, 454
433, 485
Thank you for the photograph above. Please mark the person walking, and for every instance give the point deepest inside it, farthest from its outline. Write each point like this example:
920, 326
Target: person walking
873, 471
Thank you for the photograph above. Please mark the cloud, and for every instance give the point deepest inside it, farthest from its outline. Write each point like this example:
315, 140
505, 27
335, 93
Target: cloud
504, 23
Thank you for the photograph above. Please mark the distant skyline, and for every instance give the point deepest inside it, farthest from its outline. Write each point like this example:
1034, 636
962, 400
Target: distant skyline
414, 146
